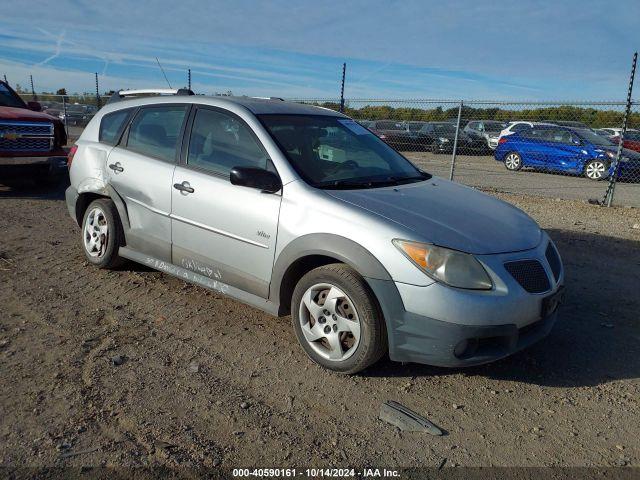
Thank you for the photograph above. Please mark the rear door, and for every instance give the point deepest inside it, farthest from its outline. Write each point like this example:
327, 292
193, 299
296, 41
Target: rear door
223, 231
141, 171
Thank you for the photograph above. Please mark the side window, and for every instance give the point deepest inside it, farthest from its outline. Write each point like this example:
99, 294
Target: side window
112, 125
220, 142
520, 127
472, 125
155, 131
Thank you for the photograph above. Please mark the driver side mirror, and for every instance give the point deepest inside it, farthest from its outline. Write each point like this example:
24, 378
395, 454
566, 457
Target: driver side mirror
35, 106
258, 178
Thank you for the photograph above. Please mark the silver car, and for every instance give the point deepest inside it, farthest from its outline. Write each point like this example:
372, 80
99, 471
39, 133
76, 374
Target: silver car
299, 210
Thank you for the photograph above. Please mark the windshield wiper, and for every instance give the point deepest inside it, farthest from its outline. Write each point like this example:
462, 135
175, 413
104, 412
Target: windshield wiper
380, 182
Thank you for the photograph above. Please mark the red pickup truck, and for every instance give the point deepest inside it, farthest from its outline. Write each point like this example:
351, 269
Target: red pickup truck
30, 140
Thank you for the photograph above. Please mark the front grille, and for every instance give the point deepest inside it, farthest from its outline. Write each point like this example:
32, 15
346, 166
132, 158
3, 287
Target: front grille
529, 274
554, 261
26, 136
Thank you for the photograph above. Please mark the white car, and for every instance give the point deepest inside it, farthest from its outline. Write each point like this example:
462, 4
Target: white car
516, 126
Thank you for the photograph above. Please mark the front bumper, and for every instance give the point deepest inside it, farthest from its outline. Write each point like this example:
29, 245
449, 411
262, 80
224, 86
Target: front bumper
442, 326
55, 164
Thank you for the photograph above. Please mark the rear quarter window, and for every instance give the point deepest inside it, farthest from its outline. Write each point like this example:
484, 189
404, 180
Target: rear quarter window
112, 125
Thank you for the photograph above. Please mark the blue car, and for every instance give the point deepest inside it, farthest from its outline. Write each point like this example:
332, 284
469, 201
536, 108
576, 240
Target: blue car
578, 151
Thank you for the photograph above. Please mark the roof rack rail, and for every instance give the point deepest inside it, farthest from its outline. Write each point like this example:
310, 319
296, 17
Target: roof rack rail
269, 98
122, 94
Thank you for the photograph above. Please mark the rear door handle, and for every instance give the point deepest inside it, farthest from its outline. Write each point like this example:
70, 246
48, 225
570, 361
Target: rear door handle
116, 167
184, 187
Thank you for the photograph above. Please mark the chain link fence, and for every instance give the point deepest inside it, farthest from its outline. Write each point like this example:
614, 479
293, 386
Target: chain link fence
558, 150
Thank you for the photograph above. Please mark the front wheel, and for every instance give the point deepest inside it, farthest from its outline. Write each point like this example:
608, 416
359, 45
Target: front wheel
513, 161
337, 319
595, 170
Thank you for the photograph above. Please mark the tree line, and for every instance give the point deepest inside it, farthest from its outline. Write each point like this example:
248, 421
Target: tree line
594, 117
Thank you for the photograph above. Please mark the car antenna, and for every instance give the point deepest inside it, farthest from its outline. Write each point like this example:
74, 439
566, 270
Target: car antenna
165, 75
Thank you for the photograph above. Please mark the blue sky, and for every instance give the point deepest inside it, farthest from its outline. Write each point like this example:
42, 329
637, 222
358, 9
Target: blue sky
506, 50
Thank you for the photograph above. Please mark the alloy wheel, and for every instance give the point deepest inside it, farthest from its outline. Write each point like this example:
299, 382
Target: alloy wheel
595, 170
96, 233
329, 322
512, 161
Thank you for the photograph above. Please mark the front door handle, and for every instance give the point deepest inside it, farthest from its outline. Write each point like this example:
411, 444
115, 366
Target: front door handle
116, 167
184, 187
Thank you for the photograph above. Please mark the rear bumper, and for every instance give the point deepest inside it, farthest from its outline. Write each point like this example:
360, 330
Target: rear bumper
71, 198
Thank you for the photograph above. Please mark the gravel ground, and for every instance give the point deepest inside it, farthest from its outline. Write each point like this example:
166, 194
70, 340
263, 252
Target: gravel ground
136, 368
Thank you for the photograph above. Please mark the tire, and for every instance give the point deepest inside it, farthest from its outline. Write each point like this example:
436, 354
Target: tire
513, 161
101, 234
352, 336
434, 148
596, 170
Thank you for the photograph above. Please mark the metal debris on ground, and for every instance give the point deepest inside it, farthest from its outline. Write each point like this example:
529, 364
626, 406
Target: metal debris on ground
405, 419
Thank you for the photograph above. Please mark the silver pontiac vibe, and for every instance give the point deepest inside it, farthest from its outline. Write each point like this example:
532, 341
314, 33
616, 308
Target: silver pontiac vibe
301, 211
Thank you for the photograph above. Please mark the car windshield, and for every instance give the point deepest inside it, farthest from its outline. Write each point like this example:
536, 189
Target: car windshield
444, 128
593, 138
415, 127
337, 152
8, 99
633, 136
493, 126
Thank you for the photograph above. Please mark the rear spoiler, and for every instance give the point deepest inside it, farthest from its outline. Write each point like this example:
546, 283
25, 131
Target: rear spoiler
124, 94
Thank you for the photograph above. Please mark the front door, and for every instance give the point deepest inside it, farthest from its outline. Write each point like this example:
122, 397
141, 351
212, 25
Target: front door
141, 171
223, 231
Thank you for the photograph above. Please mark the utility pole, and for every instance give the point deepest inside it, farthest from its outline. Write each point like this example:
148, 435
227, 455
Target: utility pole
344, 71
5, 79
189, 79
98, 100
33, 92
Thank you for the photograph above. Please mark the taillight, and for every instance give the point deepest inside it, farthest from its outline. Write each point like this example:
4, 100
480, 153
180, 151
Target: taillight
503, 140
71, 154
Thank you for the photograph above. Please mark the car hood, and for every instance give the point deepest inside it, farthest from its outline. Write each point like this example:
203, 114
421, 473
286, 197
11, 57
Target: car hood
24, 114
450, 215
631, 154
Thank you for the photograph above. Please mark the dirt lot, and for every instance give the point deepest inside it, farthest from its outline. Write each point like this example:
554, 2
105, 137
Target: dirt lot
202, 380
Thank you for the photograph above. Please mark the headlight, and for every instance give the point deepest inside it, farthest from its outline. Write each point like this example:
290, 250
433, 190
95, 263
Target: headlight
443, 140
610, 154
454, 268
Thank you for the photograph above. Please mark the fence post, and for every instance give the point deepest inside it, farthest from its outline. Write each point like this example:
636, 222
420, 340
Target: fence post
64, 109
455, 141
344, 70
608, 196
5, 79
98, 100
33, 92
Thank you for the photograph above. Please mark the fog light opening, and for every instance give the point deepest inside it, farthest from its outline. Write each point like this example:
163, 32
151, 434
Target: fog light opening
466, 348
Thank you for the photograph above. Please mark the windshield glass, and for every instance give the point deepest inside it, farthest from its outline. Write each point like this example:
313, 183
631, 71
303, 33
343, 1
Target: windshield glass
444, 128
8, 99
415, 127
592, 137
335, 152
493, 126
632, 135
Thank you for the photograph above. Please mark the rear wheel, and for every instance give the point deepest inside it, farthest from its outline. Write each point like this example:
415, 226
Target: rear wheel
595, 170
513, 161
337, 320
102, 234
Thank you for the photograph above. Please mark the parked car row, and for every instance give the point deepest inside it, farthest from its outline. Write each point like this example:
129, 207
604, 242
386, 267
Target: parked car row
476, 136
75, 114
